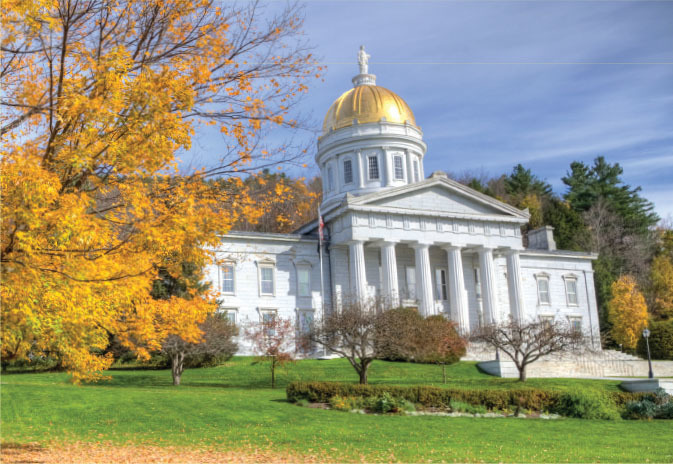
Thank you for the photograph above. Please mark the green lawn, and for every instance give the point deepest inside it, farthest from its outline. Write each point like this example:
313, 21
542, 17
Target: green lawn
231, 407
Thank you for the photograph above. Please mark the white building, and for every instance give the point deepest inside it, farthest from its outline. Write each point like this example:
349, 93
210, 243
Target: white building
430, 243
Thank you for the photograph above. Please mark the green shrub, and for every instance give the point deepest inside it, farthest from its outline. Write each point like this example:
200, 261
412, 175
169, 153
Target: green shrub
459, 406
344, 403
661, 341
587, 404
303, 403
657, 405
532, 399
386, 403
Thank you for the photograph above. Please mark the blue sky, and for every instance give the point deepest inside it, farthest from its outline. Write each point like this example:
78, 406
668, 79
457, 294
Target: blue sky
495, 83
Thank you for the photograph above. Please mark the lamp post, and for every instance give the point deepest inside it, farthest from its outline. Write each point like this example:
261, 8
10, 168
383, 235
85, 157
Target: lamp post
646, 334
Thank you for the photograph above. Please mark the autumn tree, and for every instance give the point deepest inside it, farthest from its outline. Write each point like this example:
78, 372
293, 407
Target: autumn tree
524, 342
273, 339
99, 99
627, 312
439, 343
287, 202
216, 343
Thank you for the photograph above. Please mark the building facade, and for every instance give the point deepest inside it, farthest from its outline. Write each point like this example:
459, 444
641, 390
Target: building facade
393, 233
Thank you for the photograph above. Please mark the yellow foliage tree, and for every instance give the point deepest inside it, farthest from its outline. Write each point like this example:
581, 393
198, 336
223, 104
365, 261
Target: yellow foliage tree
661, 287
627, 312
99, 97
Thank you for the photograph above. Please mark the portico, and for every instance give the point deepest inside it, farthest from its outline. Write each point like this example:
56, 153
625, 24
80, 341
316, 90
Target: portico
439, 285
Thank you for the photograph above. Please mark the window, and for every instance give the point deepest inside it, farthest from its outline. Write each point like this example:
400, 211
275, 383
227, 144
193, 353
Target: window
303, 281
305, 321
417, 172
547, 320
440, 280
543, 290
411, 282
228, 278
268, 316
330, 179
373, 164
348, 172
230, 314
477, 283
266, 278
575, 323
399, 168
571, 291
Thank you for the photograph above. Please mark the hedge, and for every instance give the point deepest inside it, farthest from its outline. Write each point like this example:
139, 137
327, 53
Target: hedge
533, 399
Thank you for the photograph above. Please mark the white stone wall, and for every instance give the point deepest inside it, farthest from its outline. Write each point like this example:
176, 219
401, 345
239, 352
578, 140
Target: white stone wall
246, 254
556, 266
288, 252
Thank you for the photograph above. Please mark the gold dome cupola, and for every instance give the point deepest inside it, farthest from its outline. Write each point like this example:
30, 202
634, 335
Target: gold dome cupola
366, 102
370, 141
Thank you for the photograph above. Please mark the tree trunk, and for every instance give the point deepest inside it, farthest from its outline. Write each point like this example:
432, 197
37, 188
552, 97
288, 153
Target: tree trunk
363, 374
522, 373
177, 366
273, 372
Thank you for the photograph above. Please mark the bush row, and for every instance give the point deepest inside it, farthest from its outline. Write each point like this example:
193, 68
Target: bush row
576, 404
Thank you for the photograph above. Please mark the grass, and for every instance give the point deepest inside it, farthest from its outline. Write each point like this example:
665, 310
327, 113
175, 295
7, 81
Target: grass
230, 407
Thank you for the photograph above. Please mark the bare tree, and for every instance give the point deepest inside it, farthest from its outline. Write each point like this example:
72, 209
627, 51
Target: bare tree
273, 339
525, 342
217, 341
351, 333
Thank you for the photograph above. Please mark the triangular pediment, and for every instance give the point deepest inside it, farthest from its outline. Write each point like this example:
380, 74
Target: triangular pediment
439, 195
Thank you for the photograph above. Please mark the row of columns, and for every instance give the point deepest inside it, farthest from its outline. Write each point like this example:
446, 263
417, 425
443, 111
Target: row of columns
456, 280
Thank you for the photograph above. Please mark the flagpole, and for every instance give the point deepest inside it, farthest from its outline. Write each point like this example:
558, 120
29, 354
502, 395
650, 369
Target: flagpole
322, 279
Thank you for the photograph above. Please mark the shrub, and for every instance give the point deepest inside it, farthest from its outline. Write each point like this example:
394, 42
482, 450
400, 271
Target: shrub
344, 403
657, 405
587, 404
386, 403
533, 399
460, 406
661, 341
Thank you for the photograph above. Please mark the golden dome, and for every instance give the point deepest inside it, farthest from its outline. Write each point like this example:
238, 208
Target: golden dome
367, 103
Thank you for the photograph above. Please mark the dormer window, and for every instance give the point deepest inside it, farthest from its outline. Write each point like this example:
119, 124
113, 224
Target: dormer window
399, 167
348, 171
373, 165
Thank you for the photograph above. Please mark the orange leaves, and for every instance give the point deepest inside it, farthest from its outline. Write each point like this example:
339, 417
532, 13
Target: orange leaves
92, 202
627, 312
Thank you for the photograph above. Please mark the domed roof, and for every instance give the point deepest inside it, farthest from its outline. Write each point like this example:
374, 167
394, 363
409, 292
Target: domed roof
367, 103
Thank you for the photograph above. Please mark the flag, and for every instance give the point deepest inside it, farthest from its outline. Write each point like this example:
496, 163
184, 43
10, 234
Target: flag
321, 225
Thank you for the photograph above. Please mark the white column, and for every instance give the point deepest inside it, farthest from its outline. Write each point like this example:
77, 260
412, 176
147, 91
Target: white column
457, 293
514, 285
390, 287
488, 294
356, 259
361, 169
388, 167
423, 279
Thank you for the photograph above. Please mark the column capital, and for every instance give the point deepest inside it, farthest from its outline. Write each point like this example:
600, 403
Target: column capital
450, 247
384, 242
421, 245
354, 242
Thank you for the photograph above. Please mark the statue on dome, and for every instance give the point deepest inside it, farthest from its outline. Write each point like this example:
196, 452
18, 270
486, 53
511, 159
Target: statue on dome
363, 60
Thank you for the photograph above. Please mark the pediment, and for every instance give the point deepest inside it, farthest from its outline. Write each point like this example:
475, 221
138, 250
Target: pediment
439, 196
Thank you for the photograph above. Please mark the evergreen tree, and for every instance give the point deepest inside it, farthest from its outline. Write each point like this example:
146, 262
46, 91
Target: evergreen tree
586, 185
522, 182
